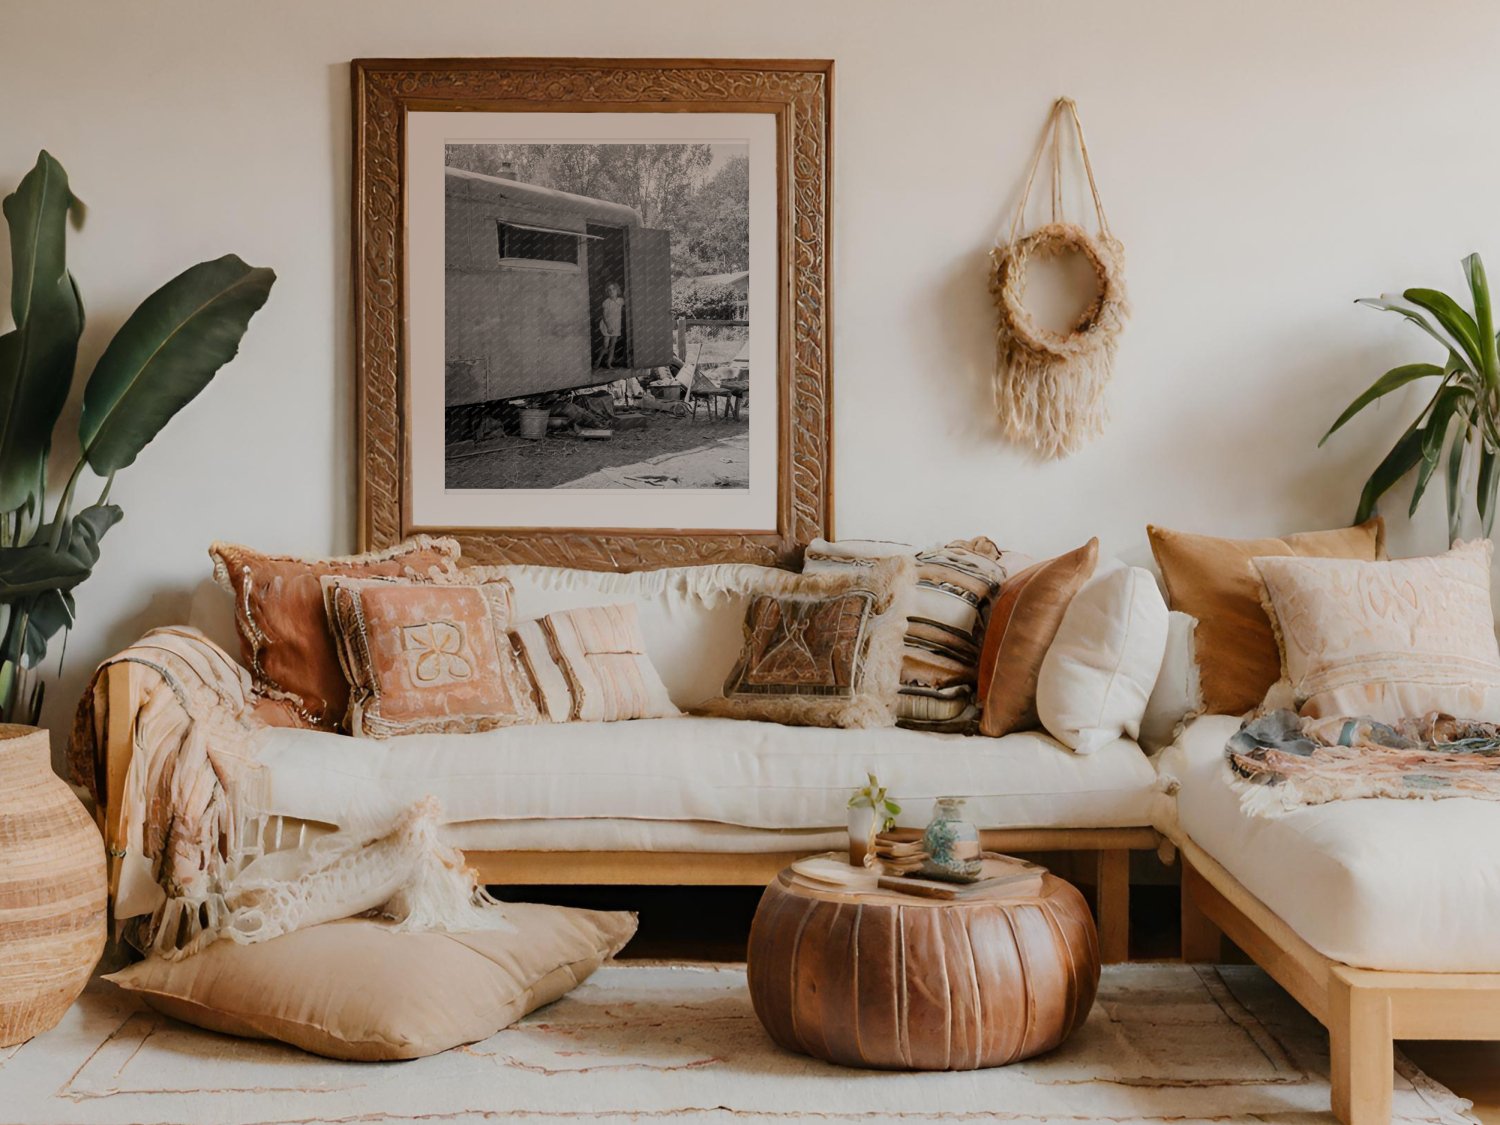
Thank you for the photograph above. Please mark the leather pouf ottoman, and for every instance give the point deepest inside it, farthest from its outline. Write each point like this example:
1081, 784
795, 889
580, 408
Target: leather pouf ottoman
889, 980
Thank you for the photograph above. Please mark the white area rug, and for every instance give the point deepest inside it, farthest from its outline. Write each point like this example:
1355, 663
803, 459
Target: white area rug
647, 1042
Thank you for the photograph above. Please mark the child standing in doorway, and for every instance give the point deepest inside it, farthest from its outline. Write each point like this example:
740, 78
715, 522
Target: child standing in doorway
609, 325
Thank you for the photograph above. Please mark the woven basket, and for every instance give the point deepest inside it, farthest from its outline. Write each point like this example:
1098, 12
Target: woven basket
52, 889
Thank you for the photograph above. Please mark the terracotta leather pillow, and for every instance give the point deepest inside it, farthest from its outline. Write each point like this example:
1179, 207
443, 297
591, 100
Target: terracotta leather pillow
1023, 622
285, 640
427, 657
358, 990
1215, 581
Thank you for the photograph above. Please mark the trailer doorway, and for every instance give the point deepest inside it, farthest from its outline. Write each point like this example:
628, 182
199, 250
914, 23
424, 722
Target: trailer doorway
606, 251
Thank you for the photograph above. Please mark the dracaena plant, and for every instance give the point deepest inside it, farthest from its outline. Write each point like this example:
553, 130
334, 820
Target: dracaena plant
162, 356
1457, 427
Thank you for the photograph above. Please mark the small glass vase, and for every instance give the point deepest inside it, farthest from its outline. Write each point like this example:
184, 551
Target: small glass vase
951, 843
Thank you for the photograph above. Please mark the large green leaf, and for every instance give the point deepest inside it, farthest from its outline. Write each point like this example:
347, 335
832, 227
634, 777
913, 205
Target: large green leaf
1488, 480
1391, 302
1394, 379
1455, 321
1454, 480
1484, 317
37, 356
1402, 458
1448, 402
166, 353
37, 567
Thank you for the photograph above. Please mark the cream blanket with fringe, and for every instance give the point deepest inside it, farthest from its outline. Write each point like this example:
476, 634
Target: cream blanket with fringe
191, 841
1280, 761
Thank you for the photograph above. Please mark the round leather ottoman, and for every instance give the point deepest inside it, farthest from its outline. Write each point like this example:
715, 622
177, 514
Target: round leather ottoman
883, 979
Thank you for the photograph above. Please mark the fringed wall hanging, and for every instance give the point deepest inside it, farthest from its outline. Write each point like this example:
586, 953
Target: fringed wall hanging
1049, 386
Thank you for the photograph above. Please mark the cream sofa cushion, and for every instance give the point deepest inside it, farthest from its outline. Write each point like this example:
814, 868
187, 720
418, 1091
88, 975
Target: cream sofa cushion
728, 771
1390, 640
1099, 670
356, 990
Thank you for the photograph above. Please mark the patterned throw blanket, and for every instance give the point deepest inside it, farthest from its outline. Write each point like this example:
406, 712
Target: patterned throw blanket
1281, 761
194, 858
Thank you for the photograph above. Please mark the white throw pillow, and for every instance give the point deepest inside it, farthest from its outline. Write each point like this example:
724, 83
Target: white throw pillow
1098, 674
1178, 694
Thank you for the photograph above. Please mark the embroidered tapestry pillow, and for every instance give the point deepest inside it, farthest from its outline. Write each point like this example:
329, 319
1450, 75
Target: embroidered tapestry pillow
284, 634
1214, 580
590, 665
1026, 617
427, 657
1388, 640
824, 649
956, 584
357, 989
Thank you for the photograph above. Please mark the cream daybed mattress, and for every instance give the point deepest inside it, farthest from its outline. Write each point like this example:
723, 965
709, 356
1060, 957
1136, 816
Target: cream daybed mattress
1378, 884
727, 772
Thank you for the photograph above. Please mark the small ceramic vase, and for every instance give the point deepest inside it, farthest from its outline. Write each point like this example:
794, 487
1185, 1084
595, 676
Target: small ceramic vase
861, 832
951, 843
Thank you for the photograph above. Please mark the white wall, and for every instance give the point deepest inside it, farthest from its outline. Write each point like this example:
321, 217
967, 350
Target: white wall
1264, 164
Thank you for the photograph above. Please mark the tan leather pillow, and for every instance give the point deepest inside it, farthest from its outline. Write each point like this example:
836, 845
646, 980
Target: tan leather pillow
285, 640
427, 657
1214, 580
357, 990
1023, 622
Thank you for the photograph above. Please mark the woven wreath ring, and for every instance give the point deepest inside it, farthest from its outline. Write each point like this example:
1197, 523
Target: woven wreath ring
1100, 320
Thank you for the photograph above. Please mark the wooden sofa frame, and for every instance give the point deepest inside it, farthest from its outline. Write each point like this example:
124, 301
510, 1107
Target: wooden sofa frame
1111, 846
1364, 1010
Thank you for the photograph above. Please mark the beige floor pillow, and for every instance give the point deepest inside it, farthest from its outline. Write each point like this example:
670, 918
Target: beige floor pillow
356, 990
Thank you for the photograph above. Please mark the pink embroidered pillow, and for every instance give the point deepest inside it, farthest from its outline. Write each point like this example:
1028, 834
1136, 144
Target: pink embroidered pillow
427, 657
590, 665
1390, 640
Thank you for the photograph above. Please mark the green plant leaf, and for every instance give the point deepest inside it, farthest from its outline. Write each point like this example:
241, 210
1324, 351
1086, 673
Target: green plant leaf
1454, 319
35, 568
1391, 302
1445, 404
1402, 458
1455, 475
168, 351
1488, 480
1394, 379
37, 356
1484, 317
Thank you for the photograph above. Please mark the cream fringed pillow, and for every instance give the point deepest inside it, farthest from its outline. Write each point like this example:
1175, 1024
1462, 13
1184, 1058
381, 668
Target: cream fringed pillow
427, 657
356, 990
590, 665
823, 650
1388, 640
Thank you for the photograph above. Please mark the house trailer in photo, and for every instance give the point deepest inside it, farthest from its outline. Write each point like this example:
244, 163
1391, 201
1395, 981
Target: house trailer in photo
527, 274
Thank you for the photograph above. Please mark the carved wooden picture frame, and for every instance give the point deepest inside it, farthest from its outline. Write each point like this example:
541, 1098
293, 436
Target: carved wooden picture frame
388, 94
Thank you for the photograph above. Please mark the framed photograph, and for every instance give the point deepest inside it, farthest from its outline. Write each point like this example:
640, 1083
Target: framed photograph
592, 307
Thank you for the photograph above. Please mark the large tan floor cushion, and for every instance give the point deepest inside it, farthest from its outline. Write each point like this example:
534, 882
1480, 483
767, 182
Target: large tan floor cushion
357, 990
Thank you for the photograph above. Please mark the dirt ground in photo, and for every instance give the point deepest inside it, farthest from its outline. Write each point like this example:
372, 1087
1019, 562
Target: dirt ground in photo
562, 458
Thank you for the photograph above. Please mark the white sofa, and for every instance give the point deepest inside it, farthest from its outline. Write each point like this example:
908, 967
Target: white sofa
692, 800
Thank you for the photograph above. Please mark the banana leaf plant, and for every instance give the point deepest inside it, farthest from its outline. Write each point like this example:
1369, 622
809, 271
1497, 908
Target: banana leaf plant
164, 354
1457, 427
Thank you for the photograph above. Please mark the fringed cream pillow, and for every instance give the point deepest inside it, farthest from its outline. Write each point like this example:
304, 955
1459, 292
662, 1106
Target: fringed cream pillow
1387, 640
824, 649
590, 665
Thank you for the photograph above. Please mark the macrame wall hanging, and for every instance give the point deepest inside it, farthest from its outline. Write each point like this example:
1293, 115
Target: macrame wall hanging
1049, 386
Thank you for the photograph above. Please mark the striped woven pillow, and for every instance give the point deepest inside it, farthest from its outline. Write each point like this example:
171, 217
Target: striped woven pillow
945, 628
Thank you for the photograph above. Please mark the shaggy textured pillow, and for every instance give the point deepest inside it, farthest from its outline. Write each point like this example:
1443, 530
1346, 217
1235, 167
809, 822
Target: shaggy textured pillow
590, 665
1100, 668
1388, 640
823, 650
356, 990
1215, 581
956, 583
285, 640
424, 657
1025, 619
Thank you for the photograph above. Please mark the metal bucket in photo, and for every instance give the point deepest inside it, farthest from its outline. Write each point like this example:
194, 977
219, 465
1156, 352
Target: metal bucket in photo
534, 422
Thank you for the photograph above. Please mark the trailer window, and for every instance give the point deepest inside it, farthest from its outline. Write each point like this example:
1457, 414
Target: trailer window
537, 245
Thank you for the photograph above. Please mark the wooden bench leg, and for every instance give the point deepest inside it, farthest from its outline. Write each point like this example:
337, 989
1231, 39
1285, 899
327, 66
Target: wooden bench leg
1112, 886
1202, 941
1361, 1052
